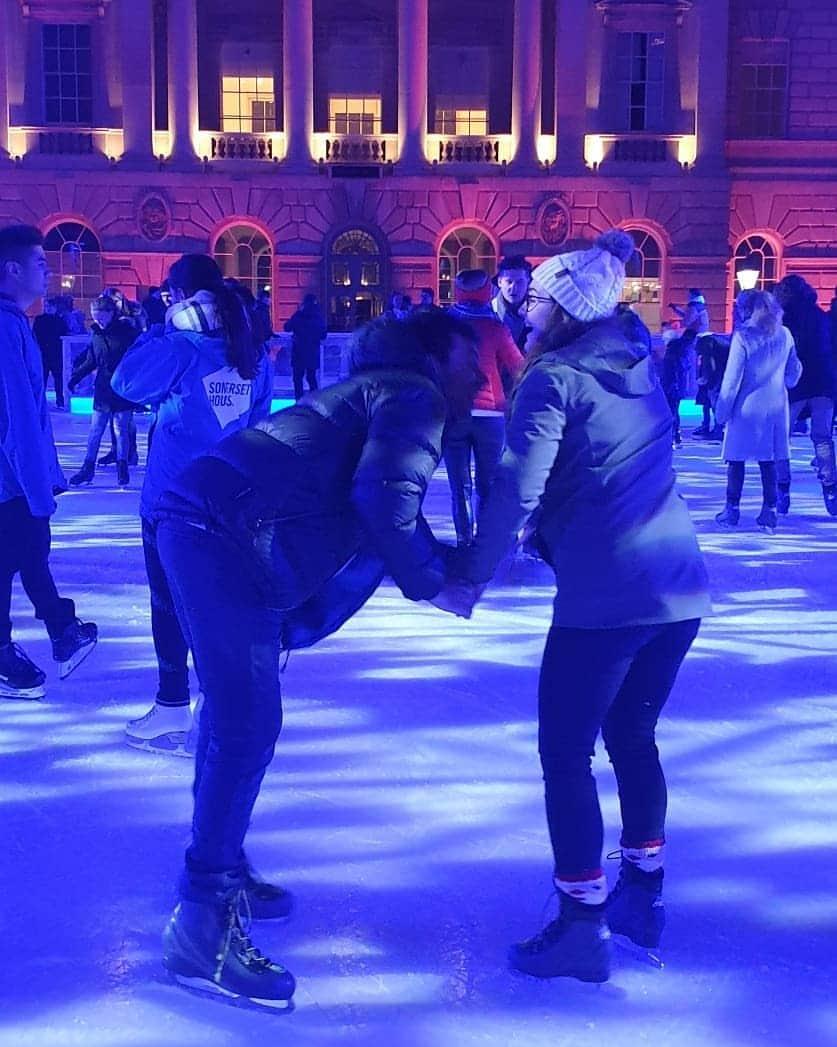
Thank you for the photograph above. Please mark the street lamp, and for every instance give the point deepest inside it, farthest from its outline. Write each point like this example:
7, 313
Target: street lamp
748, 272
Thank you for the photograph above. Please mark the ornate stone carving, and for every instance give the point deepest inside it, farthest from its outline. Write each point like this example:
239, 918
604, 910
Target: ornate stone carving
553, 221
154, 217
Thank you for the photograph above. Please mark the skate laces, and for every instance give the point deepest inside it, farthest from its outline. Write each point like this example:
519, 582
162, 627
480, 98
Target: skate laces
21, 656
551, 931
236, 938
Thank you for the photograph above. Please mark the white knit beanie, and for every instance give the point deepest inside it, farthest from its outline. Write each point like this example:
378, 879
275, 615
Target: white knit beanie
588, 284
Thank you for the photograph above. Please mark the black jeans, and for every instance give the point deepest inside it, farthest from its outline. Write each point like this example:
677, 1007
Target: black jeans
54, 365
235, 641
615, 681
170, 645
673, 397
735, 482
479, 438
300, 371
24, 548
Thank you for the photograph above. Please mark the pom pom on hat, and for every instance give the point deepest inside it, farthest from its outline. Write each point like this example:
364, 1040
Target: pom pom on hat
588, 284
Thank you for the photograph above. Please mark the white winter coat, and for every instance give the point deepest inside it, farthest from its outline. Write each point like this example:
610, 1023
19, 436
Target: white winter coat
753, 402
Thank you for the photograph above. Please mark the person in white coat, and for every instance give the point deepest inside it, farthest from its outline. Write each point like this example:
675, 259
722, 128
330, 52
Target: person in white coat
753, 401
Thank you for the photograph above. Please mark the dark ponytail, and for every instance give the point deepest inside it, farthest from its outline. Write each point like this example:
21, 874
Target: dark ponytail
199, 272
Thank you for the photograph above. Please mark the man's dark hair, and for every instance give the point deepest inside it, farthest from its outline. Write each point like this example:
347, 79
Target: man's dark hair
409, 344
514, 261
427, 290
16, 240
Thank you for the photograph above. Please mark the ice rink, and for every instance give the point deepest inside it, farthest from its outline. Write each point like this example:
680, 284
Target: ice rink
404, 811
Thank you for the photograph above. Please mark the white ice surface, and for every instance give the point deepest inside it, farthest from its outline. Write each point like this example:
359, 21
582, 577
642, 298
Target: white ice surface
404, 810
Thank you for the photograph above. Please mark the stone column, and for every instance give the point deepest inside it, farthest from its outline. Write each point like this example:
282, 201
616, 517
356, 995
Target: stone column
713, 55
136, 35
183, 79
298, 79
4, 81
526, 82
413, 55
571, 60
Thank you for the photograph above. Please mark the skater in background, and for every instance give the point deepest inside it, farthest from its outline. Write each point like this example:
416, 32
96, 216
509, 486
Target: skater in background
588, 444
308, 328
208, 376
815, 391
110, 337
753, 402
677, 367
478, 436
271, 542
30, 475
514, 273
49, 328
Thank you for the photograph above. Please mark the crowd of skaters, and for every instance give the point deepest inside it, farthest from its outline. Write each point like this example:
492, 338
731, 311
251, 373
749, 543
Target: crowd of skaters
264, 533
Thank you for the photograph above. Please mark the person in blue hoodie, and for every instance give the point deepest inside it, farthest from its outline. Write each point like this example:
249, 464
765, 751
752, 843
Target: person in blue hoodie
588, 448
30, 475
208, 376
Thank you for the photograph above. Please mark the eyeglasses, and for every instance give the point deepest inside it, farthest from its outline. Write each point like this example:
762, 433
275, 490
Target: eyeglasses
537, 299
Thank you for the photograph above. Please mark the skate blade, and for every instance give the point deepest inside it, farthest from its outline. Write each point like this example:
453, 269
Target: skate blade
212, 989
29, 693
173, 744
75, 660
767, 530
639, 952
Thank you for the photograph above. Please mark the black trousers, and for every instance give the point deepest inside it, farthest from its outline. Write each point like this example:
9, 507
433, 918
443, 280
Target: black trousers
24, 549
54, 365
615, 681
300, 371
170, 645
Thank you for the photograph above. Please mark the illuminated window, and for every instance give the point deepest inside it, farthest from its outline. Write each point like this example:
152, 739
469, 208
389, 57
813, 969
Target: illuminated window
354, 116
244, 253
643, 278
355, 291
462, 122
247, 104
74, 255
68, 83
640, 69
759, 247
464, 248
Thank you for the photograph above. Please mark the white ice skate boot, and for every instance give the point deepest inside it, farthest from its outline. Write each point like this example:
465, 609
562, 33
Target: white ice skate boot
163, 729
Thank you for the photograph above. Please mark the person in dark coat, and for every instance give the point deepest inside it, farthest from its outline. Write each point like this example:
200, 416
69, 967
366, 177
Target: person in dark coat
270, 542
110, 338
308, 328
815, 390
48, 329
588, 448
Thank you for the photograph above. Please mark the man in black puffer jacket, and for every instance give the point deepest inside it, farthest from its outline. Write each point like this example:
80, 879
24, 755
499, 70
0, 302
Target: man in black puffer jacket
269, 543
815, 390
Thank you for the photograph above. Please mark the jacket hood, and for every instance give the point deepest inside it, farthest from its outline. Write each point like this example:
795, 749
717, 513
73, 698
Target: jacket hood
616, 352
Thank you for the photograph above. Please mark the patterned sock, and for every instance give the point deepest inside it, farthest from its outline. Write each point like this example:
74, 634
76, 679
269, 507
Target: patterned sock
589, 889
647, 857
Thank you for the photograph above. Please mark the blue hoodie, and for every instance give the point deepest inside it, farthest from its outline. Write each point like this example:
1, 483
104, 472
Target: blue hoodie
200, 399
28, 463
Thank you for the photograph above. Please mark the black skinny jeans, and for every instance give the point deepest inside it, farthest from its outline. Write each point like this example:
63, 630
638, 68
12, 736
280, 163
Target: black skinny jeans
24, 548
170, 645
615, 681
477, 438
735, 482
300, 371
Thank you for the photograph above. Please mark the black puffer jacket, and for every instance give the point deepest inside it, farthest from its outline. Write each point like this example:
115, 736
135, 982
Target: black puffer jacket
107, 347
811, 332
326, 496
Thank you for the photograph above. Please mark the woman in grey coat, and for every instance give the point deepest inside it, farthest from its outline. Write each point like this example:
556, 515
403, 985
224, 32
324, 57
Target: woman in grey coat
588, 457
753, 402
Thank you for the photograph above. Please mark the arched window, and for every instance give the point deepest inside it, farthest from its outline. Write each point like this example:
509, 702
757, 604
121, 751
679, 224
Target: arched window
758, 248
243, 253
465, 248
74, 255
355, 280
644, 275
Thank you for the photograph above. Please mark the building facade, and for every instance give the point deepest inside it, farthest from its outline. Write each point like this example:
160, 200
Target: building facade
359, 149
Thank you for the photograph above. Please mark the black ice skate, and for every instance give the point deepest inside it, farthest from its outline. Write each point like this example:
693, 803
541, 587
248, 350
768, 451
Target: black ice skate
266, 901
108, 459
767, 519
123, 477
829, 496
635, 910
783, 500
74, 645
729, 516
206, 946
19, 676
85, 474
575, 945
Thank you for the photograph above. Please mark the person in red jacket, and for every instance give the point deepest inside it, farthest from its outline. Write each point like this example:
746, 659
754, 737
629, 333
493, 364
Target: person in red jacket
479, 437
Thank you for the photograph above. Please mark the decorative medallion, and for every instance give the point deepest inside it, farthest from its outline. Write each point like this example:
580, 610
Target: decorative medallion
154, 217
553, 221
